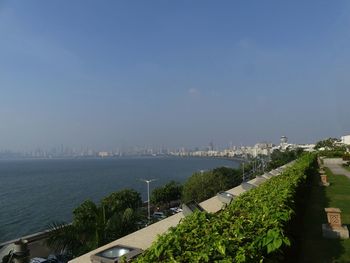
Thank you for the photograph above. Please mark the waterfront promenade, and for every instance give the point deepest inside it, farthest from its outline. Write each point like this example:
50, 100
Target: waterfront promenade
335, 165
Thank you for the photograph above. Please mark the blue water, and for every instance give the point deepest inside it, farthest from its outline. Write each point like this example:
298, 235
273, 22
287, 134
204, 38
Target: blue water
34, 193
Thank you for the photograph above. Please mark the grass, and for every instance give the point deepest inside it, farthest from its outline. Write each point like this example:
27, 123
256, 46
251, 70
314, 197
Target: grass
310, 245
346, 167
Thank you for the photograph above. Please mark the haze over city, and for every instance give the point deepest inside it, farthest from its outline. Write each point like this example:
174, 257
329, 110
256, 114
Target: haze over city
181, 73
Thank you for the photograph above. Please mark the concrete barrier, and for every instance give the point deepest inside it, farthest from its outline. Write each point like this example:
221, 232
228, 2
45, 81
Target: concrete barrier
36, 245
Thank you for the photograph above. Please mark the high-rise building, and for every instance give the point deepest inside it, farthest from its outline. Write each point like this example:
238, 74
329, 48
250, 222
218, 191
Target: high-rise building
211, 146
284, 140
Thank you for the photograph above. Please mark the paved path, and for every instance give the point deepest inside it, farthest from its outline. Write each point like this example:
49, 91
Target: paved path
335, 165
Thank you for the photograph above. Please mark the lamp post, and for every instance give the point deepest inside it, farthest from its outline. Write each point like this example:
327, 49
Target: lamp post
243, 171
148, 200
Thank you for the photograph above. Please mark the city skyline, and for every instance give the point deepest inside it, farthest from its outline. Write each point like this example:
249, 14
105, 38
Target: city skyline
178, 74
211, 149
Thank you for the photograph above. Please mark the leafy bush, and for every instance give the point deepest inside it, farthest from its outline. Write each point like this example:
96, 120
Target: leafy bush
346, 157
164, 195
336, 153
279, 158
251, 229
203, 185
96, 224
329, 143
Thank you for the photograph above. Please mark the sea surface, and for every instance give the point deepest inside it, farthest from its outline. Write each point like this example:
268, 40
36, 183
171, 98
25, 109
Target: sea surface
34, 193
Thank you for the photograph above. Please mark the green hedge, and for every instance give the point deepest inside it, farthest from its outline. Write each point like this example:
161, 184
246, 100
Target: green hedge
250, 229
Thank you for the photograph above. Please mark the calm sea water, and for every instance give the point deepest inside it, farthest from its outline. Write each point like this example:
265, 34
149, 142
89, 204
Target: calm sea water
34, 193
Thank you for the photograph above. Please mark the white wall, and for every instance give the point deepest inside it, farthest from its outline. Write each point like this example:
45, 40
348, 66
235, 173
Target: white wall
346, 139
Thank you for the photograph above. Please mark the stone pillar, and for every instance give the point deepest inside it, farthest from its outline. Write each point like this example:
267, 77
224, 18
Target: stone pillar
21, 252
333, 217
324, 180
334, 228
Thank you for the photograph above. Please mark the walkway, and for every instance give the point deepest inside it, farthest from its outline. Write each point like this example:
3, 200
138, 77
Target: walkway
335, 165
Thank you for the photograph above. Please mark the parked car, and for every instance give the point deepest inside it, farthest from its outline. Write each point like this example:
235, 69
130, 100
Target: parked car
158, 215
175, 210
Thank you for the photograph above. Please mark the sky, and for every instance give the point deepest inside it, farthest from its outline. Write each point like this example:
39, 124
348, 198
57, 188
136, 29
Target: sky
107, 74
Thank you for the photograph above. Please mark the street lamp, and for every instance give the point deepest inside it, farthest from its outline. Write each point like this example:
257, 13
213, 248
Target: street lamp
243, 171
148, 201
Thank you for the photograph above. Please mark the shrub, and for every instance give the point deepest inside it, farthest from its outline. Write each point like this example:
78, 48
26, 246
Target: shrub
203, 185
250, 229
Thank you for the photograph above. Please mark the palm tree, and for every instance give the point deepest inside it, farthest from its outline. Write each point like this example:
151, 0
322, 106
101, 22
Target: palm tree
95, 225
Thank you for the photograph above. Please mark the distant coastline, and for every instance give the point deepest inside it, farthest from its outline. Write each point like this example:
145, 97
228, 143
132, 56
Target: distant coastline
119, 157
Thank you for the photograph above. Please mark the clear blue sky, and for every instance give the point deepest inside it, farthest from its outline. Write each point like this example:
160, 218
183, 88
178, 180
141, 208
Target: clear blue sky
178, 73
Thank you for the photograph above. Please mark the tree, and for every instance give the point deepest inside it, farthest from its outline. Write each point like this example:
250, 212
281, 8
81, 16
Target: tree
95, 225
327, 143
279, 158
203, 185
118, 201
164, 195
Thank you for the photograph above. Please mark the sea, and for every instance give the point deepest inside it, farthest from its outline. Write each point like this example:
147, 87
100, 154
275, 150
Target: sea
34, 193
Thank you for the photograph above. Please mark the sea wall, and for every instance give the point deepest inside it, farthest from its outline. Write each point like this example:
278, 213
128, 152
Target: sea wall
36, 245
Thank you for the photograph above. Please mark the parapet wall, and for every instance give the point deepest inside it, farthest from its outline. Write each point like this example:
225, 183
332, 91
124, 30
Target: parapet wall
36, 245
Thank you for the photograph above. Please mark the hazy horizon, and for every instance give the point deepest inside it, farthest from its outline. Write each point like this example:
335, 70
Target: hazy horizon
174, 73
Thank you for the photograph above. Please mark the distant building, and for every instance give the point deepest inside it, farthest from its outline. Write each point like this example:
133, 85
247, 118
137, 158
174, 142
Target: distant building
211, 146
262, 148
307, 147
103, 154
345, 139
284, 143
284, 139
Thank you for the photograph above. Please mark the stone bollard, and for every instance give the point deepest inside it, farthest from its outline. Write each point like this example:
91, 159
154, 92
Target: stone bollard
21, 252
333, 217
334, 228
324, 180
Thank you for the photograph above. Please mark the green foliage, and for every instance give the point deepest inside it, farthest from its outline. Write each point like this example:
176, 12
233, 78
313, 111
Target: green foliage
327, 143
251, 229
167, 193
279, 158
310, 245
346, 156
121, 200
95, 225
330, 148
203, 185
347, 165
337, 152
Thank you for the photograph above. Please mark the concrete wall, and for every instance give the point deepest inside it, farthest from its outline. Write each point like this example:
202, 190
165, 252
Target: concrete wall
36, 245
